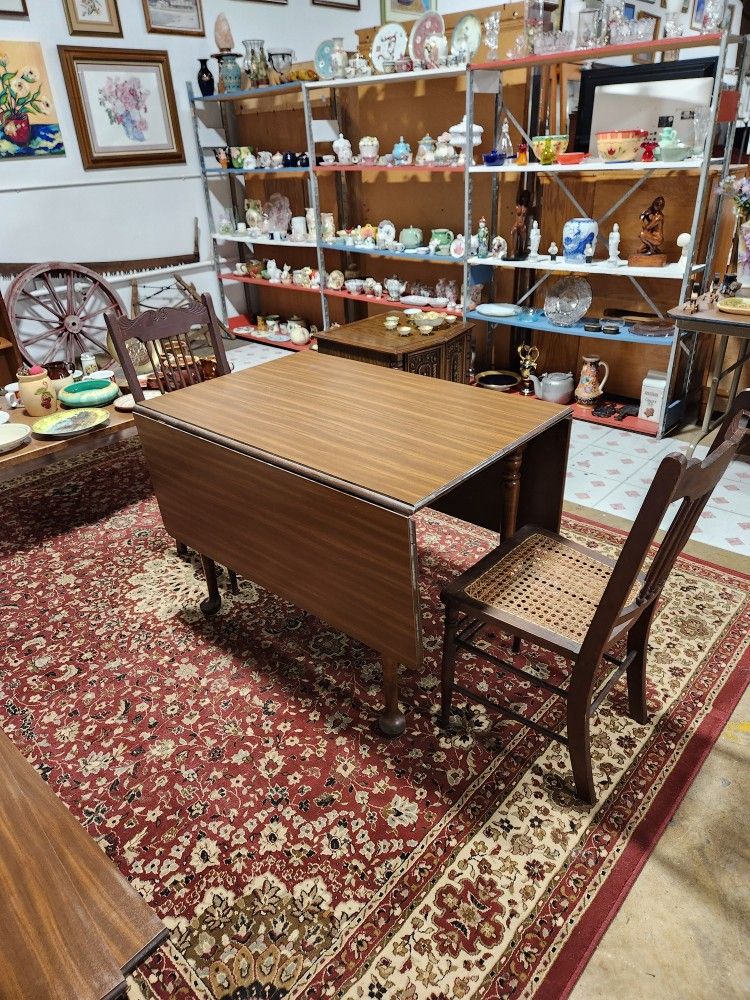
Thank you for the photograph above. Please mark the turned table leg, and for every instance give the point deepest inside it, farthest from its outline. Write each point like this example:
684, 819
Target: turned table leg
213, 602
392, 722
511, 492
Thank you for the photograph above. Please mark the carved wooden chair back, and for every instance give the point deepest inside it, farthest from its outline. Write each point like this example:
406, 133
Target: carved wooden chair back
166, 335
689, 482
741, 404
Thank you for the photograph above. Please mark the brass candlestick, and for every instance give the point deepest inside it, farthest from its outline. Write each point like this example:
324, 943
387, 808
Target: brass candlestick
528, 356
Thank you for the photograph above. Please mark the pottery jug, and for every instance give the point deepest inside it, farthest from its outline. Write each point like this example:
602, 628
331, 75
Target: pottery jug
577, 234
37, 394
206, 81
442, 238
557, 387
589, 388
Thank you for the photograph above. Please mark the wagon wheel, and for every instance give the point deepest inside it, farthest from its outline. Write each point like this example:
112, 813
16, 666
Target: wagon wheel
57, 312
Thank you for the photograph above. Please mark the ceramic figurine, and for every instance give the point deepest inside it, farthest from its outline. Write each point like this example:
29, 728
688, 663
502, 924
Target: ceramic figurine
435, 51
588, 253
289, 159
445, 154
535, 237
222, 158
312, 225
343, 149
683, 241
328, 227
402, 153
577, 234
483, 239
553, 251
589, 388
425, 150
652, 237
249, 161
369, 147
522, 158
273, 271
499, 247
265, 159
506, 146
335, 280
614, 245
286, 275
253, 214
519, 233
277, 160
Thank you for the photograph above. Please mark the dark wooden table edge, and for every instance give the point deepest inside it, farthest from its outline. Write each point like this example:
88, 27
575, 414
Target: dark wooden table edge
268, 458
149, 949
566, 413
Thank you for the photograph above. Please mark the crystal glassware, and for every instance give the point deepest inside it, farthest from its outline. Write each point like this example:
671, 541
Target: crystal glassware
492, 34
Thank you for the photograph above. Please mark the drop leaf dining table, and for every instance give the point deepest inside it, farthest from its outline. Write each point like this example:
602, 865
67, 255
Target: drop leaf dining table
304, 474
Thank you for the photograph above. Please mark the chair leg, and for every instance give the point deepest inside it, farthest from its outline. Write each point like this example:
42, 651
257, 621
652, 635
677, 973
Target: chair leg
233, 581
213, 602
638, 643
580, 752
448, 668
182, 549
516, 646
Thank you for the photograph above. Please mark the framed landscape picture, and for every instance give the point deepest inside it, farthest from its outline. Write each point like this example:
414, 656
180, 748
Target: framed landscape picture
13, 8
404, 10
123, 106
93, 17
174, 17
28, 119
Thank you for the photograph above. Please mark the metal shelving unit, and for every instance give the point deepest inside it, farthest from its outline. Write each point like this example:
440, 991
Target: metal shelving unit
476, 269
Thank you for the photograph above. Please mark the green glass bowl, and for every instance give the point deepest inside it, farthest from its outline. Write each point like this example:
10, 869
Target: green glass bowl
95, 392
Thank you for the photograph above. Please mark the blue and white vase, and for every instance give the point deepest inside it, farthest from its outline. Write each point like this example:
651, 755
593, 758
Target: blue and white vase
230, 73
577, 234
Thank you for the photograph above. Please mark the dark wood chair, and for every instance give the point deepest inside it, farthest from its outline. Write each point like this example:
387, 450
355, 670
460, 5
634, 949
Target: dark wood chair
740, 405
578, 603
165, 334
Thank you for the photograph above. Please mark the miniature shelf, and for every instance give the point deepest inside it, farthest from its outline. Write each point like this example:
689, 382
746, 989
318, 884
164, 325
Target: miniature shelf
374, 78
434, 258
604, 52
264, 241
410, 168
597, 267
243, 95
592, 165
542, 325
239, 171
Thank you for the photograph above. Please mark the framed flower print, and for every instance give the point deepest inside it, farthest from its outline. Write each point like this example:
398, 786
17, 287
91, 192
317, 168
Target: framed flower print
29, 123
93, 17
123, 106
174, 17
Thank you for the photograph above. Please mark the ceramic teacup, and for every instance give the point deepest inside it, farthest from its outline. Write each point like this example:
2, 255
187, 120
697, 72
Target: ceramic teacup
12, 397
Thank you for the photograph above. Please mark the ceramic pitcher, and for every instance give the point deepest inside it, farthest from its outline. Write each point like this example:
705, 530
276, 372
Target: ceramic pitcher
589, 388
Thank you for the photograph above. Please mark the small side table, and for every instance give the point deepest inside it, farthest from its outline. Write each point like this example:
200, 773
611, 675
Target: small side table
445, 354
722, 325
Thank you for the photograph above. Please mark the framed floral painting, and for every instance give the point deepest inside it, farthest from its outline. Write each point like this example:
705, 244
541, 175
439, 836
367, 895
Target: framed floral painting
28, 120
123, 106
174, 17
404, 10
93, 17
13, 8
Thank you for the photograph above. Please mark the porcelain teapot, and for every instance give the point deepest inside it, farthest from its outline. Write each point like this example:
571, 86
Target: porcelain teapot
557, 387
298, 332
395, 288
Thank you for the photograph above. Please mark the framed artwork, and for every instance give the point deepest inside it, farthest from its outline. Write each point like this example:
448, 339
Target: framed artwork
404, 10
699, 8
268, 1
647, 57
93, 17
13, 8
174, 17
28, 120
343, 4
123, 106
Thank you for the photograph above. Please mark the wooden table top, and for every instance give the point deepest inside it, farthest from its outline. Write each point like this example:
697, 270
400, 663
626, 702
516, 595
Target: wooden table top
38, 449
389, 433
370, 334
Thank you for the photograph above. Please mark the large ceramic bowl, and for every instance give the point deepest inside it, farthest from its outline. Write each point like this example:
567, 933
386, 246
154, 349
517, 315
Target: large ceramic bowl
620, 147
96, 392
559, 144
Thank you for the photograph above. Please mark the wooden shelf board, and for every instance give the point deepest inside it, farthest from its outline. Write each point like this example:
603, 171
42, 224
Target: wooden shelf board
411, 168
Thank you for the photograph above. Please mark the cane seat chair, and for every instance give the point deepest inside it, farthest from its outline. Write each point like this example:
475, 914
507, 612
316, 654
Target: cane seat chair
167, 336
579, 603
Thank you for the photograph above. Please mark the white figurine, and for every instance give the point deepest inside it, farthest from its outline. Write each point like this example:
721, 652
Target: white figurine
343, 149
535, 237
682, 242
614, 245
273, 271
588, 253
249, 161
286, 275
553, 251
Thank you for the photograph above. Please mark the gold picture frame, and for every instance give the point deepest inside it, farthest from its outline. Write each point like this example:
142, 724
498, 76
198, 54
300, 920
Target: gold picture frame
174, 17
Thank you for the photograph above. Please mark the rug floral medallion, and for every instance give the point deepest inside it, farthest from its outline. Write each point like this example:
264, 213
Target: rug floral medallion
233, 770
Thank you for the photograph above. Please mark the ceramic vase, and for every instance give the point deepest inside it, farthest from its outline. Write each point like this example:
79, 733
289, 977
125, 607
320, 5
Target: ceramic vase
37, 394
206, 82
577, 234
589, 388
230, 73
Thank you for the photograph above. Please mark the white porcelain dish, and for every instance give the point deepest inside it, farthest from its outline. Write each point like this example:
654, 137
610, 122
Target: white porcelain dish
13, 436
498, 309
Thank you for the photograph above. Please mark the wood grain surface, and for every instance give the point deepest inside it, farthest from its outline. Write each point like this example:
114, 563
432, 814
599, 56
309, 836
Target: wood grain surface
370, 334
71, 924
350, 562
395, 434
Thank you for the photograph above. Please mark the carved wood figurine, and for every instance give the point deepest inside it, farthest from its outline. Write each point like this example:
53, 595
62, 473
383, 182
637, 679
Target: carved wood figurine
651, 236
520, 233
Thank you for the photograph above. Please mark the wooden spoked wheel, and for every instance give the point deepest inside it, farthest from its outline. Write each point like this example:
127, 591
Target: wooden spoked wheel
57, 312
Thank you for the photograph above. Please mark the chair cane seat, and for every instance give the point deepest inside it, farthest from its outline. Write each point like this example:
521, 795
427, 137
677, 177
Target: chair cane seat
546, 582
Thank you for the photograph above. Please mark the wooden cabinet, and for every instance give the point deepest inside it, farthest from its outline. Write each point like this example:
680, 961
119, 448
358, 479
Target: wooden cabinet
445, 354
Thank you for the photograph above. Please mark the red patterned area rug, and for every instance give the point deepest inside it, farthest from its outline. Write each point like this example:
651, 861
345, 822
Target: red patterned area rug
232, 769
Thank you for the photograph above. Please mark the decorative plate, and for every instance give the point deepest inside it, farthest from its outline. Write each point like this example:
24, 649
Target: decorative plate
567, 301
322, 60
656, 328
69, 423
498, 309
467, 36
94, 392
734, 305
388, 45
13, 436
386, 231
428, 24
126, 403
458, 246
